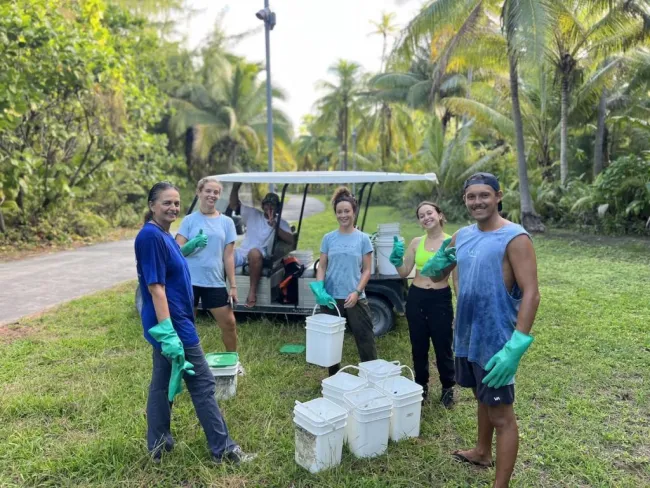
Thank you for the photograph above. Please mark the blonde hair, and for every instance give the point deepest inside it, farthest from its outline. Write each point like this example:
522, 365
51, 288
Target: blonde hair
206, 180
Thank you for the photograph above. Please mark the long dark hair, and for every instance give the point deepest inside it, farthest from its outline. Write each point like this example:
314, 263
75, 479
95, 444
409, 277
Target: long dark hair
343, 194
154, 193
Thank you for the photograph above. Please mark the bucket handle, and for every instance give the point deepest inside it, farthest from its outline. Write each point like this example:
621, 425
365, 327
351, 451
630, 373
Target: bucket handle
410, 370
346, 367
313, 312
317, 415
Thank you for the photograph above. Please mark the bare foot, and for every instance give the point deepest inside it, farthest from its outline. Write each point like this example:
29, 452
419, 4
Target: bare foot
251, 300
472, 457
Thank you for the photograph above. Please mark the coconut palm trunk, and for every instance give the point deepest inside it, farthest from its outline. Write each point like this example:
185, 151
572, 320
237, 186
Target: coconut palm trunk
599, 146
529, 218
564, 129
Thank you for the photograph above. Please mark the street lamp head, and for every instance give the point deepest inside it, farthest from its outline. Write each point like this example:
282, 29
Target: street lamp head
268, 17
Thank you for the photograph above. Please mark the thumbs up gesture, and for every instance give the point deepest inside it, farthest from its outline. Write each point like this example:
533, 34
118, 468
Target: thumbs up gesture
397, 256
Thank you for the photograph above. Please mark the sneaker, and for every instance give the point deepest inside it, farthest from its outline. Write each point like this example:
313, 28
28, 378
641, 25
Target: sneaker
235, 457
241, 371
447, 397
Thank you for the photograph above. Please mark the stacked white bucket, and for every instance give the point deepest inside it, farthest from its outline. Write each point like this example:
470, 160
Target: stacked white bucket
320, 424
384, 246
379, 404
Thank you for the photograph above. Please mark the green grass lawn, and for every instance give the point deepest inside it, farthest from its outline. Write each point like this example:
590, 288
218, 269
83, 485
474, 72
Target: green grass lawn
73, 390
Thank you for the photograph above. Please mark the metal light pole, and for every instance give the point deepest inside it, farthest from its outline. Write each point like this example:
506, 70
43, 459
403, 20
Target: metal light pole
269, 20
354, 157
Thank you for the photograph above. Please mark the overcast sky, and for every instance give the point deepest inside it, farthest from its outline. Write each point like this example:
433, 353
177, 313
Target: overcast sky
310, 36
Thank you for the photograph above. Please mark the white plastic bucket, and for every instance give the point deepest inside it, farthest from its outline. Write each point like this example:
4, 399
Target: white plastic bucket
368, 422
324, 341
391, 228
383, 250
338, 385
379, 369
226, 381
407, 406
319, 427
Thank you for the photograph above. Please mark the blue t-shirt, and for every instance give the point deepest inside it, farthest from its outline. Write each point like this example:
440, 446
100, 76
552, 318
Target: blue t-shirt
206, 263
486, 312
344, 261
159, 261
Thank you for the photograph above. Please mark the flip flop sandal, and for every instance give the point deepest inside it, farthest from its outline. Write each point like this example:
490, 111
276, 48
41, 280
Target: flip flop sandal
463, 459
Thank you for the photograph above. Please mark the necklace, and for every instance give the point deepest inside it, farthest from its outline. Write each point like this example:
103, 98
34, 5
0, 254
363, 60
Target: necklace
159, 226
429, 248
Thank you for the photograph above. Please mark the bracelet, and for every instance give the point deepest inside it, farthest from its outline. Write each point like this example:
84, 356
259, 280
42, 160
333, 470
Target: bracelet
358, 292
233, 286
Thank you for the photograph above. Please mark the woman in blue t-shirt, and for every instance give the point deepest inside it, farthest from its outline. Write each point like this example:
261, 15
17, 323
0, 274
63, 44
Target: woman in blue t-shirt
343, 273
168, 322
208, 239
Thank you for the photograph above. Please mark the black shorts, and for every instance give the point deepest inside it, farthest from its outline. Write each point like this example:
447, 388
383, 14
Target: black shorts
470, 375
210, 297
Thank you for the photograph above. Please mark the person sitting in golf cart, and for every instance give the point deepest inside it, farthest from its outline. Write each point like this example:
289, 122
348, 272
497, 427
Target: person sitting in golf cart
260, 234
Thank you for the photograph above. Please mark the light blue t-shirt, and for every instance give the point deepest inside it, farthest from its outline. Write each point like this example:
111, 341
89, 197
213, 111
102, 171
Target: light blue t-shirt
344, 261
206, 264
486, 312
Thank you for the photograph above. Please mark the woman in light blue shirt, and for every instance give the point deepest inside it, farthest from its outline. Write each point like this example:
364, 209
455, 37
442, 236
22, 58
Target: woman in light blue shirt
208, 240
343, 273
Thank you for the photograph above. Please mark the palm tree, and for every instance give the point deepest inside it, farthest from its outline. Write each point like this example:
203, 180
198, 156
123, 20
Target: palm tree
232, 106
341, 104
385, 28
314, 150
584, 31
525, 25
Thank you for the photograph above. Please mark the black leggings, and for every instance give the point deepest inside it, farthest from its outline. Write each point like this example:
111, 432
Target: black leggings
430, 316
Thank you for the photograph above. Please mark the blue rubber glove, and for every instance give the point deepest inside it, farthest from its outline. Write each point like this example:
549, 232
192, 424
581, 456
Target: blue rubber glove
201, 240
323, 298
503, 365
172, 349
440, 261
397, 256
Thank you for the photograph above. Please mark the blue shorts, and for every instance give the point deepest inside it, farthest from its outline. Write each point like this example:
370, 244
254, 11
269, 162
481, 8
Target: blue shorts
470, 375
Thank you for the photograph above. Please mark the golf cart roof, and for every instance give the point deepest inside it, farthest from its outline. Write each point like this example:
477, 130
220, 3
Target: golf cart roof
324, 177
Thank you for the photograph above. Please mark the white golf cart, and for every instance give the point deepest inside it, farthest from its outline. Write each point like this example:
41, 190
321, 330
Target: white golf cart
386, 293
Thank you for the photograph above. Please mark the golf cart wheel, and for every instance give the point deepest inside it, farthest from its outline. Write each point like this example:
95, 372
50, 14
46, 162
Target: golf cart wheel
383, 319
138, 300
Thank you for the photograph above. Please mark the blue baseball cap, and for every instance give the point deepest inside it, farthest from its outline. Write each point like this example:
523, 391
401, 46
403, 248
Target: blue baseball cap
483, 179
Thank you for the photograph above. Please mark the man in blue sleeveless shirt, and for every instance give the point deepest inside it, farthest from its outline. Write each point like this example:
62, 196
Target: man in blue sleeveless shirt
498, 297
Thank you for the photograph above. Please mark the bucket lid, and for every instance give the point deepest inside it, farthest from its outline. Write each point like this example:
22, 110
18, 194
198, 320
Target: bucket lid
320, 411
368, 400
380, 367
292, 349
344, 382
399, 387
222, 359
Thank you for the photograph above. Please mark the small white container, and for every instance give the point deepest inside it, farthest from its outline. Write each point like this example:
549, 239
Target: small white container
226, 381
407, 406
324, 341
319, 427
379, 369
338, 385
383, 250
369, 422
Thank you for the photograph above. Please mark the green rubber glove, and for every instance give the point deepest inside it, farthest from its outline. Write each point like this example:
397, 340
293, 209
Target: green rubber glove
164, 332
504, 364
172, 349
440, 261
179, 366
323, 298
397, 256
201, 240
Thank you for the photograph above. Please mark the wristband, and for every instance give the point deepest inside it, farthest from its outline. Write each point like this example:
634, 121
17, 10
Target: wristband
358, 292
